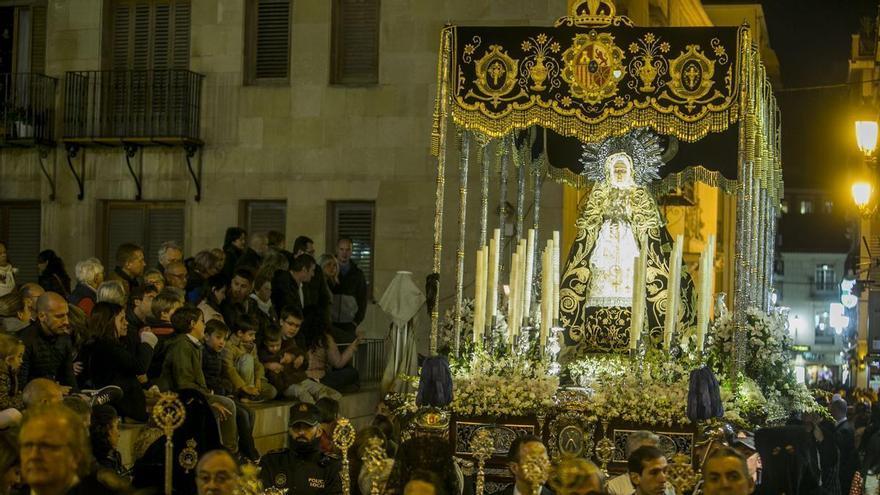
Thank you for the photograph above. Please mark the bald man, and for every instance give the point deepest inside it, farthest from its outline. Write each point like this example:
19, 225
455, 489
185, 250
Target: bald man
217, 474
48, 349
41, 392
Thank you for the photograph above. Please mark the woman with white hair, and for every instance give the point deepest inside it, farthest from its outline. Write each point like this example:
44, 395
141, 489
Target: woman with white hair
89, 276
112, 291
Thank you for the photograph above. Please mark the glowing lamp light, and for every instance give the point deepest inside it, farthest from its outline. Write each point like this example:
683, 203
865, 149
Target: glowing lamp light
866, 135
861, 193
849, 301
837, 320
847, 298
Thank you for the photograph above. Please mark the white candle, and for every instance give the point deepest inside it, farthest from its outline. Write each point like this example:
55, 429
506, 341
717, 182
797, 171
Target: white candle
494, 269
673, 292
529, 274
554, 311
546, 293
707, 284
640, 270
479, 296
512, 299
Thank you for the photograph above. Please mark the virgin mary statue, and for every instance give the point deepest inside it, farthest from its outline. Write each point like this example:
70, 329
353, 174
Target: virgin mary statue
616, 217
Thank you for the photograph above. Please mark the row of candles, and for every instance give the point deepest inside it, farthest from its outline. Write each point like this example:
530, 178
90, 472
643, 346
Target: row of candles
522, 274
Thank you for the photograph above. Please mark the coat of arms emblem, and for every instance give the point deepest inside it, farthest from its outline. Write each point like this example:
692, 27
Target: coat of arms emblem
593, 67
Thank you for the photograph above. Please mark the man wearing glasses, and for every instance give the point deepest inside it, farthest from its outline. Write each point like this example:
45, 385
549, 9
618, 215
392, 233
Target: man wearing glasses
217, 474
54, 454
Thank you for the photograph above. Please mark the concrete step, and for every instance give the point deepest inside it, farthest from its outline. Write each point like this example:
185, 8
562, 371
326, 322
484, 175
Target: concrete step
270, 421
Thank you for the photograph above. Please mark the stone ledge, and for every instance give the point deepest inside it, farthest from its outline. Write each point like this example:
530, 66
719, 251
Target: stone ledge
270, 421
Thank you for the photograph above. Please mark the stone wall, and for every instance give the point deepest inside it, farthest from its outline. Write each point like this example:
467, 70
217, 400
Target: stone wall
307, 143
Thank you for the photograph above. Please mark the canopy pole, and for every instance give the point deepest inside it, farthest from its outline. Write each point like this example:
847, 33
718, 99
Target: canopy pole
441, 109
464, 157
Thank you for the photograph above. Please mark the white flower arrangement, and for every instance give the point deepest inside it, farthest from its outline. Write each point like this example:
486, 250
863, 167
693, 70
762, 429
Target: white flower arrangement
652, 391
768, 390
486, 385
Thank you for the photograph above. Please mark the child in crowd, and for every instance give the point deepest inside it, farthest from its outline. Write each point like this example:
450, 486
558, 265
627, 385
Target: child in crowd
286, 364
163, 306
216, 333
11, 404
104, 435
244, 372
182, 369
329, 414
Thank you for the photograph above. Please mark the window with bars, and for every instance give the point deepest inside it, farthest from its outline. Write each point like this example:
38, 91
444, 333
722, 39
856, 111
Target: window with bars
267, 59
355, 220
20, 231
263, 216
145, 223
355, 42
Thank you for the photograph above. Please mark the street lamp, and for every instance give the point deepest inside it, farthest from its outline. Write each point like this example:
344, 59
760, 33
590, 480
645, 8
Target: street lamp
863, 191
866, 136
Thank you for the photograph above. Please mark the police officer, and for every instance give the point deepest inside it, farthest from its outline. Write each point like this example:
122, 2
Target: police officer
302, 468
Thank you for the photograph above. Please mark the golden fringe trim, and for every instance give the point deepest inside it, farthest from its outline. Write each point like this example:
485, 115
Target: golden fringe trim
716, 121
690, 176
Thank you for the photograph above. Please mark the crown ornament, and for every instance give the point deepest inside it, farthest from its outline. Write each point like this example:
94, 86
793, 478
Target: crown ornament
432, 420
593, 13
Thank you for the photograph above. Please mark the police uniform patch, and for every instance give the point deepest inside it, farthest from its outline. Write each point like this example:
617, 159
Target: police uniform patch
316, 483
280, 480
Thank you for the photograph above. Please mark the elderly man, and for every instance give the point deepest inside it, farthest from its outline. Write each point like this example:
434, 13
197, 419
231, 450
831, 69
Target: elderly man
217, 474
48, 350
55, 456
726, 472
255, 253
169, 252
175, 275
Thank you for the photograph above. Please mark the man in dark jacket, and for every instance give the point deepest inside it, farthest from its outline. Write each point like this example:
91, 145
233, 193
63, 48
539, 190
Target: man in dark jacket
302, 468
288, 287
350, 293
844, 438
48, 350
130, 266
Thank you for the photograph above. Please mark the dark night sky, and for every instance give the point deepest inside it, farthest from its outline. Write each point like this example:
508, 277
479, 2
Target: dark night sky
812, 39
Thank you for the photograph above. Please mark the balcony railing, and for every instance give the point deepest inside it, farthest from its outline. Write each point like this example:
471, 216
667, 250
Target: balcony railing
27, 109
138, 107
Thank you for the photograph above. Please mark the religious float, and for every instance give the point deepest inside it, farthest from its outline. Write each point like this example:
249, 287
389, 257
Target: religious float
587, 338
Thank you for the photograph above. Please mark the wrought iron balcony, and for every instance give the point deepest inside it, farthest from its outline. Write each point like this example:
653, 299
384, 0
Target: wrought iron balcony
132, 107
27, 109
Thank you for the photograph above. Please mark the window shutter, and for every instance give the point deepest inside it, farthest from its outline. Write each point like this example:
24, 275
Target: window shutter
263, 216
164, 224
140, 40
150, 35
22, 234
356, 221
272, 39
147, 224
180, 40
125, 224
356, 41
38, 40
